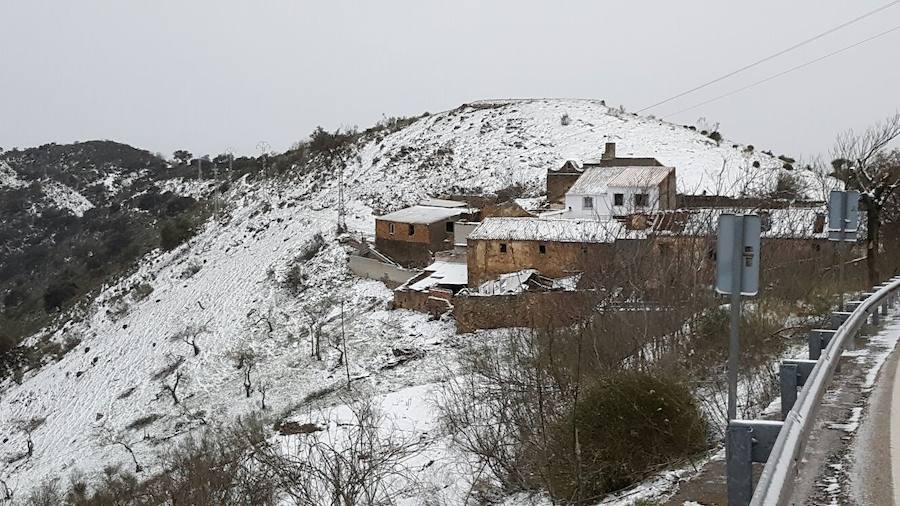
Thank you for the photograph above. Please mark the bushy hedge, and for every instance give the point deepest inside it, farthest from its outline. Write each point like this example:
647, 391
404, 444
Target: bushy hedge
623, 427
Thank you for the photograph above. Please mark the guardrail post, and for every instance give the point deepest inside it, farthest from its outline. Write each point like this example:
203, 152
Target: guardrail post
747, 441
838, 318
793, 375
787, 374
818, 340
739, 465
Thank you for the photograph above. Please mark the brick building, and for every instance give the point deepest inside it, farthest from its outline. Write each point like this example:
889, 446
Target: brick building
412, 235
556, 248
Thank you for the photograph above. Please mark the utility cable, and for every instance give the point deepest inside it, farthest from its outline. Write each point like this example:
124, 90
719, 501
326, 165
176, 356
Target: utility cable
773, 56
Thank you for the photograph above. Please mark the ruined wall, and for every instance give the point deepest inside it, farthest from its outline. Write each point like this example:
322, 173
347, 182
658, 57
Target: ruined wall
558, 185
543, 310
559, 259
435, 301
369, 268
528, 309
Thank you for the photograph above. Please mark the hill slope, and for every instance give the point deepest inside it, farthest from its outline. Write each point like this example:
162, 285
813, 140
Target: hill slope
257, 276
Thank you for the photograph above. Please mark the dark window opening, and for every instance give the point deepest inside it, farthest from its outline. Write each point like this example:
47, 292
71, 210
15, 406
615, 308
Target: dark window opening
449, 226
618, 199
502, 248
587, 203
641, 200
412, 229
542, 249
391, 228
765, 221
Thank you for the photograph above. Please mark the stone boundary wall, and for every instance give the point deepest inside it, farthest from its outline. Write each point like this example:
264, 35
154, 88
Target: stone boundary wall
391, 275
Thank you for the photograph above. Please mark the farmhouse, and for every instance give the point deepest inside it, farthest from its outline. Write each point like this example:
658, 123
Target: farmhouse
559, 181
556, 248
612, 192
412, 235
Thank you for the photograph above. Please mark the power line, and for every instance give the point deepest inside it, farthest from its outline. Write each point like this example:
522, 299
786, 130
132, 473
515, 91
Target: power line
773, 56
788, 71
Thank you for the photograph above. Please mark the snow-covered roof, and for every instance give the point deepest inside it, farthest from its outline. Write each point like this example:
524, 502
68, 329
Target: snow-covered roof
788, 223
639, 177
442, 273
596, 180
442, 203
424, 214
551, 230
513, 282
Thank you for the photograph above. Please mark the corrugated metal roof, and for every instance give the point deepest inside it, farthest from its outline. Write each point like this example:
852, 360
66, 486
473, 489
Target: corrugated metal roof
596, 180
558, 230
593, 181
443, 273
424, 214
639, 177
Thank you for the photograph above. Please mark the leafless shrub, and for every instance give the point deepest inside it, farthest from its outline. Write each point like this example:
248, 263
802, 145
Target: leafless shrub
189, 335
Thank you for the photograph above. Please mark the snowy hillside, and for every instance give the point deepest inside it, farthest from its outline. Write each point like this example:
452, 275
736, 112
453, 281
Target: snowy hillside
495, 144
226, 290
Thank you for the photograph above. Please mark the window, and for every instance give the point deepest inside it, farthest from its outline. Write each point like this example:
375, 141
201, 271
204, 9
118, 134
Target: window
449, 226
542, 249
502, 247
618, 199
641, 200
412, 229
587, 203
765, 221
391, 228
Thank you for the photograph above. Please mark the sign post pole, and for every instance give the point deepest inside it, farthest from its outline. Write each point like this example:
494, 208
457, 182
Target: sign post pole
734, 342
737, 275
843, 224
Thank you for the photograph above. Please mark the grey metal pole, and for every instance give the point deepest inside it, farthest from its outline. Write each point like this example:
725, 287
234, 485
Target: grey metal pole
841, 248
734, 343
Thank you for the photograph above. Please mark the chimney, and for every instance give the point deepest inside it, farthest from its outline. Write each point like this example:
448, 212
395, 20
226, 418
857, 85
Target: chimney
610, 153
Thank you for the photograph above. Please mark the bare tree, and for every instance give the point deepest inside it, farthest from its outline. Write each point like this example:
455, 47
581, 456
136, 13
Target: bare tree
7, 492
107, 437
172, 389
244, 360
189, 336
315, 316
863, 162
362, 462
262, 388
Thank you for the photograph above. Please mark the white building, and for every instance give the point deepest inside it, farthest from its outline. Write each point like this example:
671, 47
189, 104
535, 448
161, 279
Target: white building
606, 192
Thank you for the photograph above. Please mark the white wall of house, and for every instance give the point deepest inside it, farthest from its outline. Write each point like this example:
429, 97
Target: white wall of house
606, 205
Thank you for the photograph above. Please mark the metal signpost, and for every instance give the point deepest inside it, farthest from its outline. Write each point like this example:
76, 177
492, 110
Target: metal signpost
843, 224
737, 274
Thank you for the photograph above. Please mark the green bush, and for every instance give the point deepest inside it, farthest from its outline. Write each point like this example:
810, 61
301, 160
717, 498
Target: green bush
623, 427
174, 232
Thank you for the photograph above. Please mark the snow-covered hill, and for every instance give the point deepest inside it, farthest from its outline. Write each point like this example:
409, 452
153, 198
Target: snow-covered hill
227, 288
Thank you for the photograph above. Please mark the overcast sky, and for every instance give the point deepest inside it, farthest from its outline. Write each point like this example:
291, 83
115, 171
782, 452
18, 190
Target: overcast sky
205, 75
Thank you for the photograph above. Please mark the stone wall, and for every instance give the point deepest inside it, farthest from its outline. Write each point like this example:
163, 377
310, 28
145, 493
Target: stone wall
390, 275
528, 309
558, 184
435, 301
486, 261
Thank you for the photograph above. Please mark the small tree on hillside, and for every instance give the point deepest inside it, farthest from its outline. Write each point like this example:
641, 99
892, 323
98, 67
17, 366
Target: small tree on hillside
182, 156
864, 163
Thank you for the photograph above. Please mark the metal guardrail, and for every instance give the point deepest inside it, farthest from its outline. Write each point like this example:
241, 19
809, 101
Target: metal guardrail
781, 444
